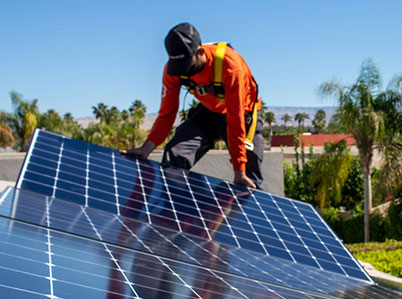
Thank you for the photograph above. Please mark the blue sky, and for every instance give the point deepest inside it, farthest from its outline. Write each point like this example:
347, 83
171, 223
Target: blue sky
73, 54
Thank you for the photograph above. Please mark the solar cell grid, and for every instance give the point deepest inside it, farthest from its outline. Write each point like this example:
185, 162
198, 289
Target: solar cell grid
146, 191
201, 234
84, 267
68, 251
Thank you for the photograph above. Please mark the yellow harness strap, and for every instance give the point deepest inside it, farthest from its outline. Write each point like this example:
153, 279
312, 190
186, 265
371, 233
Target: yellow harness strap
251, 131
218, 66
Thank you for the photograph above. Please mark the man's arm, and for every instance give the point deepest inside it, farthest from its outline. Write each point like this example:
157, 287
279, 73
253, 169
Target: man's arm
236, 128
241, 178
144, 151
164, 121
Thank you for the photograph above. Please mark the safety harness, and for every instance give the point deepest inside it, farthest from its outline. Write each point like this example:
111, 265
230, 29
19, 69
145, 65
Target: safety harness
217, 88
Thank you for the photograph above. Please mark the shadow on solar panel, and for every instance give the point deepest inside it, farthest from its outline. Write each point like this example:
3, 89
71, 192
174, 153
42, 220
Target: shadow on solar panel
85, 221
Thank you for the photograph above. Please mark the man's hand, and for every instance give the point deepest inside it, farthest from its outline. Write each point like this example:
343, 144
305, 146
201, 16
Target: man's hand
241, 178
144, 151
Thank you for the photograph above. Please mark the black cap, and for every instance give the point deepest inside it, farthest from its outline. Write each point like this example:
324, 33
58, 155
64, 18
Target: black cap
181, 43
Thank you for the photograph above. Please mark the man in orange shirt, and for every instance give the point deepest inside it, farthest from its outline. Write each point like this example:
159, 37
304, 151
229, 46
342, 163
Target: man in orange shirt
224, 112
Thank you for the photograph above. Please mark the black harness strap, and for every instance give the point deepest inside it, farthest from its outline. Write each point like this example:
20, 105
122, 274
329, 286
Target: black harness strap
216, 87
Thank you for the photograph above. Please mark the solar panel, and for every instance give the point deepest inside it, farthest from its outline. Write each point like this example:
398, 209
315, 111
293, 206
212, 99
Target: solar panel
102, 223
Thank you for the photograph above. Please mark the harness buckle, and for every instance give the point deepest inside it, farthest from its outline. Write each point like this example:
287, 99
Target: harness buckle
201, 90
249, 146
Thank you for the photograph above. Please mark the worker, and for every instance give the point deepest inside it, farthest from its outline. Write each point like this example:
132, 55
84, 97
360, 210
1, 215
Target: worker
228, 110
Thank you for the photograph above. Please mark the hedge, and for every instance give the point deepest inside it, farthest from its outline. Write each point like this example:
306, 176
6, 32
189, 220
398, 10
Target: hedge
385, 257
351, 230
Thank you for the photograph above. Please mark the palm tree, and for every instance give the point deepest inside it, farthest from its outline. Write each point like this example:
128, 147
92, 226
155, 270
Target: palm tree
71, 128
264, 109
100, 111
68, 117
334, 125
125, 115
113, 116
390, 175
137, 111
286, 117
269, 119
299, 117
319, 122
365, 119
304, 117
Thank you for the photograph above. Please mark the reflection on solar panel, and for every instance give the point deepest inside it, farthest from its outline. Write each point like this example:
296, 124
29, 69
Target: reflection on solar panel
85, 221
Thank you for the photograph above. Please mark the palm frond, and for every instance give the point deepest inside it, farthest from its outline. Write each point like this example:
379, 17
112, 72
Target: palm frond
370, 76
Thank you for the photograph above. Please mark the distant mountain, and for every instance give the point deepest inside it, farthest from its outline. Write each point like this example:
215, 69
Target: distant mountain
279, 111
85, 121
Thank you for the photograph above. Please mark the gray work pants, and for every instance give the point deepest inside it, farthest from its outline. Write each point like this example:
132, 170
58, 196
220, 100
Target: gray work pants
198, 134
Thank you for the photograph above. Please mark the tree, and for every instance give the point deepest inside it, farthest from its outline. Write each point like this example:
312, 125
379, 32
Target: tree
305, 116
71, 128
300, 118
51, 121
100, 111
363, 111
330, 172
334, 125
263, 110
286, 118
68, 117
269, 119
137, 111
319, 121
112, 116
6, 134
125, 115
23, 121
390, 174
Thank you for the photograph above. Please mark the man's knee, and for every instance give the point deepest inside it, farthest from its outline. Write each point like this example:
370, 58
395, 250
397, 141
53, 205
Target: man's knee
173, 155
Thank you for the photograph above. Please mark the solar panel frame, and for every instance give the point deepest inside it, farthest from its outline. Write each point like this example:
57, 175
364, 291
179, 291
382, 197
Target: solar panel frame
252, 227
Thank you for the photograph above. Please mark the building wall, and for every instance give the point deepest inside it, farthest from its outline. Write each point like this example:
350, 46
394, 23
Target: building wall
316, 139
215, 164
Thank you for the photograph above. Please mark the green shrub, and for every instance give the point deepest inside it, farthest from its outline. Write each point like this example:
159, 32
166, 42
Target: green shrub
385, 261
331, 216
385, 257
394, 220
387, 245
353, 190
378, 231
351, 230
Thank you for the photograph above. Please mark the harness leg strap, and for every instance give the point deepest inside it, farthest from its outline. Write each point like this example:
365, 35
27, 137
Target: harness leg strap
251, 131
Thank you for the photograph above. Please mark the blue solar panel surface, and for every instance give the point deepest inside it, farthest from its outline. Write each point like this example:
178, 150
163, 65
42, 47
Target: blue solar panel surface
166, 231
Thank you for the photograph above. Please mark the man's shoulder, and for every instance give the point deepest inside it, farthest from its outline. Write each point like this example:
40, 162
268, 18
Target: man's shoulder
231, 56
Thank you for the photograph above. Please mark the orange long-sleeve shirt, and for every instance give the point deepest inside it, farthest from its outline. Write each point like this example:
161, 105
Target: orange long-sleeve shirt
240, 93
